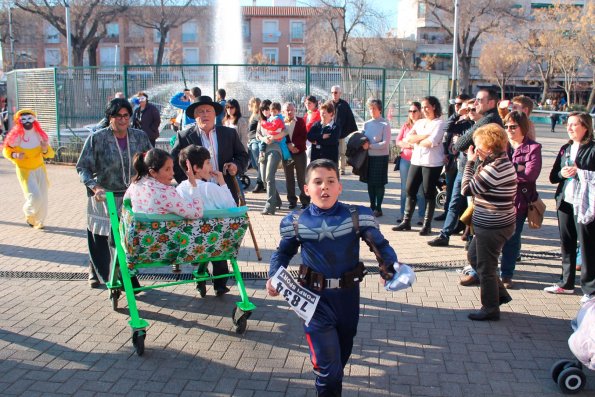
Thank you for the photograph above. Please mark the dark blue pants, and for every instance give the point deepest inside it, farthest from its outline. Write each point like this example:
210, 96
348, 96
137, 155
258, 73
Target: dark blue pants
330, 337
455, 206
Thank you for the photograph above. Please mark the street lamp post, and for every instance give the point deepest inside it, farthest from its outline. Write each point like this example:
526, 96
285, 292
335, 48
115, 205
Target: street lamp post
10, 35
289, 62
455, 53
68, 39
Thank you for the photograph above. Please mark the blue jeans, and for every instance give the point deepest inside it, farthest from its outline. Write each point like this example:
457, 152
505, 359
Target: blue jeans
454, 207
269, 169
254, 151
421, 201
512, 248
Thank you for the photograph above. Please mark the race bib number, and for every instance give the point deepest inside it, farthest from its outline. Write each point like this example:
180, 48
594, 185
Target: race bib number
302, 301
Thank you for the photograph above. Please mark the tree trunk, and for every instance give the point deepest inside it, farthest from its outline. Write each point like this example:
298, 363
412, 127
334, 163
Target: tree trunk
464, 74
502, 85
77, 55
546, 88
92, 52
592, 95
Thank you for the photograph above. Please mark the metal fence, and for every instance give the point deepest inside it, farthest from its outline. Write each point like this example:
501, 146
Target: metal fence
69, 100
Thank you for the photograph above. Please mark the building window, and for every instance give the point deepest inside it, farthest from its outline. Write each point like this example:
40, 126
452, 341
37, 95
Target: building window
52, 57
297, 56
113, 30
135, 57
135, 31
297, 30
271, 55
189, 32
165, 60
107, 56
51, 34
157, 37
190, 56
270, 32
421, 9
246, 29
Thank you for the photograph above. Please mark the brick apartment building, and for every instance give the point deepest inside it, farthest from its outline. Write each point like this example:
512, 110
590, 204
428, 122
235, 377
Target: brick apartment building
270, 34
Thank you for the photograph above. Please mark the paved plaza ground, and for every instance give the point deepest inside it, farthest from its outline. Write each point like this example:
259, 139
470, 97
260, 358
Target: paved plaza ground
58, 337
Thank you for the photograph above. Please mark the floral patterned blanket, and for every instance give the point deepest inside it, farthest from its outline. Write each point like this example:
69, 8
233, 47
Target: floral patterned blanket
173, 240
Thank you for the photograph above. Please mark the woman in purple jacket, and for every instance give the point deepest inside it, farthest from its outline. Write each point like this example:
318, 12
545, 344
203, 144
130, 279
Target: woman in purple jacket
525, 155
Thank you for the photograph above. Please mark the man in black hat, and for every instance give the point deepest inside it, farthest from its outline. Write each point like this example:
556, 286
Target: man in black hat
228, 155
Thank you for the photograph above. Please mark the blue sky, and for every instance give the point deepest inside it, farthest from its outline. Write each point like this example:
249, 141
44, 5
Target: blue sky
388, 7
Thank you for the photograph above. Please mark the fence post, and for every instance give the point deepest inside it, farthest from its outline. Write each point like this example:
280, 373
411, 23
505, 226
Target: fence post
215, 79
125, 82
383, 90
57, 107
308, 81
429, 84
365, 92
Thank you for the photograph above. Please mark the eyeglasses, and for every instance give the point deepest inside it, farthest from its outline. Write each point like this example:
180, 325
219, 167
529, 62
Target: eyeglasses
122, 115
511, 127
478, 99
472, 109
458, 103
413, 111
335, 92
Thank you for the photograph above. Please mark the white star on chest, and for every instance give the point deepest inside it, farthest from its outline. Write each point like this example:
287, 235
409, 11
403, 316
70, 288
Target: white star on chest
324, 231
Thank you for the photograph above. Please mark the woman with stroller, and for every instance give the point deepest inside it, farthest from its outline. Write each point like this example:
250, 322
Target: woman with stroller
525, 155
574, 172
414, 114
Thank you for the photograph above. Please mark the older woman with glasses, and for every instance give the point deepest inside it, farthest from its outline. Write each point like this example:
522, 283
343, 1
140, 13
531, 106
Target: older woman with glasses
525, 155
105, 164
414, 114
493, 187
574, 172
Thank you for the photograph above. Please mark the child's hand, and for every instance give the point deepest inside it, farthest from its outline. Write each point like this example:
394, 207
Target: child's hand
219, 176
44, 146
270, 289
190, 173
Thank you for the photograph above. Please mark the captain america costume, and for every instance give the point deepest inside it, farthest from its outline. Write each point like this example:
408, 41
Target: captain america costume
330, 246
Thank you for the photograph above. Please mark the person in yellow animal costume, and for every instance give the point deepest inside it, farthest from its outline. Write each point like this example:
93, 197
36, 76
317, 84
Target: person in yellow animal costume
26, 145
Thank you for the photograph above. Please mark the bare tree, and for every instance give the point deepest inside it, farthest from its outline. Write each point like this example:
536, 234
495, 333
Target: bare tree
586, 43
500, 61
476, 18
163, 16
88, 19
343, 20
381, 51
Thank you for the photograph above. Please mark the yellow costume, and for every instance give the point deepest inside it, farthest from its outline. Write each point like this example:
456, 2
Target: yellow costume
27, 146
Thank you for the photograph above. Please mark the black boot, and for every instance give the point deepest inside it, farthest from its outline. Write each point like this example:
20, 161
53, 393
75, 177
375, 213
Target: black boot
259, 188
406, 222
426, 228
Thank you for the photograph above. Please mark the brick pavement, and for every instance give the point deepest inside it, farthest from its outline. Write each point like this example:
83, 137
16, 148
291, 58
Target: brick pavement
58, 337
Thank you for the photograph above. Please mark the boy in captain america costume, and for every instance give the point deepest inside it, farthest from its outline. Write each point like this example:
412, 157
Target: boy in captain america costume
328, 232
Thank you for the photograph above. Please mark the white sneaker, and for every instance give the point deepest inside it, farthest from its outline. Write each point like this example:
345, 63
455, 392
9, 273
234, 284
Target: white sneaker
556, 289
586, 298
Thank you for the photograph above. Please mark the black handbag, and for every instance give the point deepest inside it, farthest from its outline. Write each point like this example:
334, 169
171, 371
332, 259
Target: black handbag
397, 163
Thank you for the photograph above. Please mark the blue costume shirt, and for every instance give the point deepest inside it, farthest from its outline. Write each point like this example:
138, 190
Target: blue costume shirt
329, 242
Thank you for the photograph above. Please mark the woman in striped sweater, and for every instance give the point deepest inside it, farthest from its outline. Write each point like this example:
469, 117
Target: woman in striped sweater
493, 187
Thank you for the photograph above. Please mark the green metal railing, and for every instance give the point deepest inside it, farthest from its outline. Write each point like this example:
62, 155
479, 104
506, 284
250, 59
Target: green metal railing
68, 99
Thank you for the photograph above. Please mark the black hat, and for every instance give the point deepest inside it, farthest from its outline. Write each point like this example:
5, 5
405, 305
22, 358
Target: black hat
203, 100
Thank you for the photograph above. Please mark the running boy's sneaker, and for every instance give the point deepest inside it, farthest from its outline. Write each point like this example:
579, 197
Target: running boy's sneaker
586, 298
556, 289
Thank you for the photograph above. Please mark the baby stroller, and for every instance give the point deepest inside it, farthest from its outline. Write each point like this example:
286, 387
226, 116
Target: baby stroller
568, 374
441, 196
